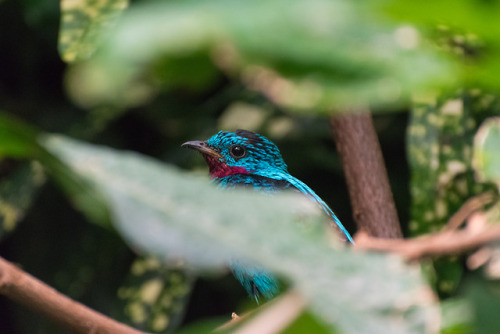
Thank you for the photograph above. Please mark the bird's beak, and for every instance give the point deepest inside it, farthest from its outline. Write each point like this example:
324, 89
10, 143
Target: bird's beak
202, 147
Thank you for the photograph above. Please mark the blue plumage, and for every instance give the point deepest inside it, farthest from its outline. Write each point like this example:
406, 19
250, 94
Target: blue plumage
244, 158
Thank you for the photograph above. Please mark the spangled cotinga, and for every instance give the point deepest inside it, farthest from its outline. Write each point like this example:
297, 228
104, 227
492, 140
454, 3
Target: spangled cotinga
245, 158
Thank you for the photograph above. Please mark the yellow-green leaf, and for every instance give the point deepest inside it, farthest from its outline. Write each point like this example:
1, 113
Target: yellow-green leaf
83, 25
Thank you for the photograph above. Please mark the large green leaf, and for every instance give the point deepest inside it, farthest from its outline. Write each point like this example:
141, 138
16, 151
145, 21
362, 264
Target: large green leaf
163, 211
83, 25
306, 54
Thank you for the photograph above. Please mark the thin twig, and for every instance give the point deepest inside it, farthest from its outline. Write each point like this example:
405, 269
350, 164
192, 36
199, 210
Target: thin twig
469, 207
30, 292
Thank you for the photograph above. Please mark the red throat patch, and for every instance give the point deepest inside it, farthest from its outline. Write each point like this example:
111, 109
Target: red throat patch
219, 169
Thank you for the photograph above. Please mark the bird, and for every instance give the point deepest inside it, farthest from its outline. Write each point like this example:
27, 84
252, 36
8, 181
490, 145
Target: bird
248, 159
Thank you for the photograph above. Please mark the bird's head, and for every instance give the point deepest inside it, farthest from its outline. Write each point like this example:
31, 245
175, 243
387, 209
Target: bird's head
239, 152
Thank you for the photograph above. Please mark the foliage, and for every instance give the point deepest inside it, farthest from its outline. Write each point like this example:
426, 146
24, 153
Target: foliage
463, 29
154, 296
83, 25
440, 139
440, 149
147, 76
321, 54
486, 153
17, 193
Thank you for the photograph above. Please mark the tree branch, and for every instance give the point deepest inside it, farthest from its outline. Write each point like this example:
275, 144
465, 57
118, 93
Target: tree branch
468, 208
372, 202
28, 291
477, 233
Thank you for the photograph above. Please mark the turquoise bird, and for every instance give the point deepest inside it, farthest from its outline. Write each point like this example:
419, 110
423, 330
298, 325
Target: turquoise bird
245, 158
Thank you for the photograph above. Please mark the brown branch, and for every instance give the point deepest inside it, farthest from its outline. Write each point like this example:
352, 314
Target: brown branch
28, 291
478, 233
470, 206
366, 176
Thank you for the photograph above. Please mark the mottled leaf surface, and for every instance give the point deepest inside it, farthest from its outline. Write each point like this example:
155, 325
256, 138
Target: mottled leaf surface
440, 138
154, 296
83, 25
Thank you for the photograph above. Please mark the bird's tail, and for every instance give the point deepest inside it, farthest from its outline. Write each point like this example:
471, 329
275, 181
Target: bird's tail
256, 281
304, 188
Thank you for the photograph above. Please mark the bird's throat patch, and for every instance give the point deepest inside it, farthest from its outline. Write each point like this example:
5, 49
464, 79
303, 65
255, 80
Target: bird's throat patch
219, 169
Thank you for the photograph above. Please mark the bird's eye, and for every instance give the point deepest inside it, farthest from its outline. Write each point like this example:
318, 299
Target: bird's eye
237, 151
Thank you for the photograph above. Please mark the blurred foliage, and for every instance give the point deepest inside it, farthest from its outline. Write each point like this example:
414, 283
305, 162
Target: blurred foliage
483, 298
83, 25
440, 149
440, 139
321, 54
22, 141
463, 29
17, 193
487, 151
146, 76
154, 296
306, 323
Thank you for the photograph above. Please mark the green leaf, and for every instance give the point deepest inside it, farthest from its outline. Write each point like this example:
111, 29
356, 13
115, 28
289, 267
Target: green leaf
162, 211
440, 137
487, 151
203, 326
20, 140
484, 300
154, 295
457, 317
306, 323
17, 139
462, 28
83, 25
17, 193
314, 54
